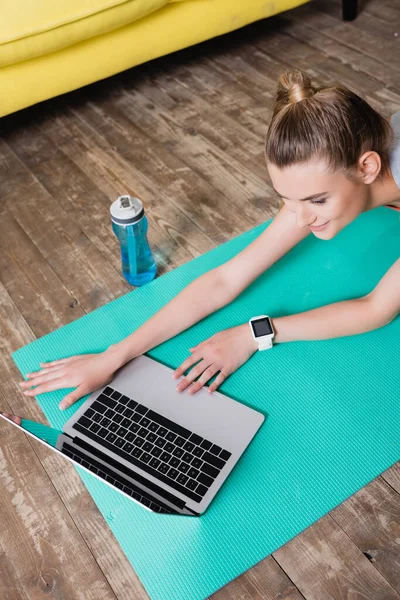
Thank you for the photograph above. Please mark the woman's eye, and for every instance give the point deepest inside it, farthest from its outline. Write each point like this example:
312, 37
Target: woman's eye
318, 201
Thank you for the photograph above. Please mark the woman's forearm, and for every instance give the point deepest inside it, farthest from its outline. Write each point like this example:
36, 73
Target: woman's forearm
201, 297
349, 317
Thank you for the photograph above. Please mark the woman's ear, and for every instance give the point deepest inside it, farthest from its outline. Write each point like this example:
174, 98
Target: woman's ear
369, 165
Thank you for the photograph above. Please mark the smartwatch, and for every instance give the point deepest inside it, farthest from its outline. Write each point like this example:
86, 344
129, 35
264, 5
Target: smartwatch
262, 331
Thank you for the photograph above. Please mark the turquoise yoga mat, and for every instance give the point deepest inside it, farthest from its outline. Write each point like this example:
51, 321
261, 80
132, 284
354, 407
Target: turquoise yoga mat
333, 408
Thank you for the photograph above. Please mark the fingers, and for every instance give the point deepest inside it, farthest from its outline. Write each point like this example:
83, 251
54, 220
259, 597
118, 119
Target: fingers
61, 361
208, 373
221, 377
185, 365
49, 386
194, 373
42, 372
69, 399
46, 375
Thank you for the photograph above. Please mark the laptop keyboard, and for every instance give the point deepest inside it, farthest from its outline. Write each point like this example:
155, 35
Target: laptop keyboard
114, 478
175, 455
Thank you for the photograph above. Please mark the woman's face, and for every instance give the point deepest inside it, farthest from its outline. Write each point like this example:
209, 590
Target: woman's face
323, 202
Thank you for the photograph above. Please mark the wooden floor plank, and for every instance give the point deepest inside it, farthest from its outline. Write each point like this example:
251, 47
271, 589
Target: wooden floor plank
343, 570
371, 518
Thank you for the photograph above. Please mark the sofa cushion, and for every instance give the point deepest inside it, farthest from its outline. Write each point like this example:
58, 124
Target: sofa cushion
39, 27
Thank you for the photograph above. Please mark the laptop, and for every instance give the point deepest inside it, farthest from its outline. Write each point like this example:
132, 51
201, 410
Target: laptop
168, 451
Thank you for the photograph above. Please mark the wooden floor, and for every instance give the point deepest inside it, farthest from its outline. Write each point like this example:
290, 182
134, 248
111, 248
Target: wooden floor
185, 133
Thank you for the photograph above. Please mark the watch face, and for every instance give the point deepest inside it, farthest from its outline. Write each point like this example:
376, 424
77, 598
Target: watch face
262, 327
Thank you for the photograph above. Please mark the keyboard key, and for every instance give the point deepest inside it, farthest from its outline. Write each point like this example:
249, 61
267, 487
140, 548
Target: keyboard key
101, 408
137, 452
156, 451
170, 436
153, 426
195, 439
95, 427
196, 463
192, 484
85, 422
136, 417
130, 436
128, 412
182, 479
165, 457
215, 449
163, 468
213, 460
174, 461
143, 432
209, 470
105, 422
128, 447
188, 446
113, 426
151, 437
183, 467
202, 478
124, 400
201, 490
142, 410
145, 501
148, 447
173, 473
108, 391
125, 422
160, 442
169, 447
116, 395
193, 473
120, 408
178, 452
132, 404
97, 417
145, 422
111, 437
119, 442
103, 432
225, 455
187, 457
139, 441
154, 463
179, 441
106, 401
122, 432
117, 418
146, 457
206, 444
185, 433
109, 413
162, 431
134, 427
89, 413
197, 451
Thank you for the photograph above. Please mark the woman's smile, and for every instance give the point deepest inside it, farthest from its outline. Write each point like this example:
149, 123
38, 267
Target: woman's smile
318, 227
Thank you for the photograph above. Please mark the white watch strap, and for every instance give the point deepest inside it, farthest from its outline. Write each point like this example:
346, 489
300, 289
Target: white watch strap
265, 344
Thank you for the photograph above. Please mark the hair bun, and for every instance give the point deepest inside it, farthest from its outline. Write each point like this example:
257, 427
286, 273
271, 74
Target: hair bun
293, 87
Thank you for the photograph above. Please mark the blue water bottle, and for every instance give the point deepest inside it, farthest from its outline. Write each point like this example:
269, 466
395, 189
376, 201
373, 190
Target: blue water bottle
130, 225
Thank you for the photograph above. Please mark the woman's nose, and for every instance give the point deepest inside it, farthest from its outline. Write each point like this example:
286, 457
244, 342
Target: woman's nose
303, 216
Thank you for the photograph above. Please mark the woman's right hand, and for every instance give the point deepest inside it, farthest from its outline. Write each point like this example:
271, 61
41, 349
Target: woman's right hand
86, 373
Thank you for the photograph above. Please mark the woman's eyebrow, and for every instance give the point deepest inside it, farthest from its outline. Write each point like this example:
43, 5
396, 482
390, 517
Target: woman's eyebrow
304, 199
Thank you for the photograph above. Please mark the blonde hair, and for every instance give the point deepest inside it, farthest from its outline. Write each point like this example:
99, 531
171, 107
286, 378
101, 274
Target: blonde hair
329, 123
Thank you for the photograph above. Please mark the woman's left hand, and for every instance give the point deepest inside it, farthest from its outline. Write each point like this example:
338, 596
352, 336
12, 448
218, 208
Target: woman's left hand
225, 352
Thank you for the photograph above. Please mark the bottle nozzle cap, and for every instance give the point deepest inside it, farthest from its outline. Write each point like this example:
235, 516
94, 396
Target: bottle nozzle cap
126, 210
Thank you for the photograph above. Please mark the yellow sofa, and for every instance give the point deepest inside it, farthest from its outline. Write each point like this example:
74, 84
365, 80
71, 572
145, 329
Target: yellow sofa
49, 47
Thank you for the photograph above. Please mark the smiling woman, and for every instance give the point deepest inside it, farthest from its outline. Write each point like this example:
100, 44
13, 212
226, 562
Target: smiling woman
331, 157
